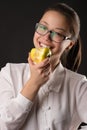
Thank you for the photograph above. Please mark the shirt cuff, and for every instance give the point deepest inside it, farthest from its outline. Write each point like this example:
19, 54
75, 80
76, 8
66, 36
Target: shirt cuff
25, 103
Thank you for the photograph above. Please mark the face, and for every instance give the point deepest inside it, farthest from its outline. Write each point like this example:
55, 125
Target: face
56, 22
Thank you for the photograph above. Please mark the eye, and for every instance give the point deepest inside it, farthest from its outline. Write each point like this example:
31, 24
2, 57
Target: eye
42, 27
57, 37
59, 34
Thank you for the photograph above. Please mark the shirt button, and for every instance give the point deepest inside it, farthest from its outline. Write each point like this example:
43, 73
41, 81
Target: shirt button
48, 129
49, 108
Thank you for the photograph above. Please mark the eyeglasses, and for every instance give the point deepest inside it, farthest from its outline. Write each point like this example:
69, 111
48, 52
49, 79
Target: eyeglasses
55, 36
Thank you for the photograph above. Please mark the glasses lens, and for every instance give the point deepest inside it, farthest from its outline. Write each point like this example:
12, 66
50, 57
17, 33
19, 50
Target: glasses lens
41, 29
57, 37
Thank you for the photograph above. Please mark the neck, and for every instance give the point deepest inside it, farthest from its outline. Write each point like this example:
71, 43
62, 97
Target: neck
54, 65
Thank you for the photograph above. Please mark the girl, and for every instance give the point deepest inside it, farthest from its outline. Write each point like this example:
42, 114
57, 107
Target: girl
48, 95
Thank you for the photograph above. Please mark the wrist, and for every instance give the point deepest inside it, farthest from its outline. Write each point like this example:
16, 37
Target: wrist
30, 90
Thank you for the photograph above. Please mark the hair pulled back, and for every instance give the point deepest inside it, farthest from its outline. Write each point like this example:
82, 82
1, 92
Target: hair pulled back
71, 58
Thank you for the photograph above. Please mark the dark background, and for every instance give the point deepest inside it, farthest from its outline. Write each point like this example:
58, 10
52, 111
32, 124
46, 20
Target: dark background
17, 21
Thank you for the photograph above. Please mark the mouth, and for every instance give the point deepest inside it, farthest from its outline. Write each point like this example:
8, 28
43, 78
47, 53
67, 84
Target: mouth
43, 45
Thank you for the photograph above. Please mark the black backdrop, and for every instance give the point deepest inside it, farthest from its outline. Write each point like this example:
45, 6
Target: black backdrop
17, 21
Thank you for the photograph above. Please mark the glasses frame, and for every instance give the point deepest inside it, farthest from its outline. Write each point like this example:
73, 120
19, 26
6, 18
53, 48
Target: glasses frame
64, 37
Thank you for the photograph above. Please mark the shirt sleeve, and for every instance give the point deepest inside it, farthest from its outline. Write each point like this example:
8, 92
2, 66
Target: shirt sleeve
81, 100
13, 109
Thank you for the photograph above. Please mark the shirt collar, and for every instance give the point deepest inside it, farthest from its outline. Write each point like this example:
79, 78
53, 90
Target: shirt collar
56, 79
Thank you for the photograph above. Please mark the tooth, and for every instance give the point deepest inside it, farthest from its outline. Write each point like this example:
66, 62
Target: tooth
43, 45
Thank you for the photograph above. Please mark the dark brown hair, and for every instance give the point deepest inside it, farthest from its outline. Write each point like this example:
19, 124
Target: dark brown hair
70, 59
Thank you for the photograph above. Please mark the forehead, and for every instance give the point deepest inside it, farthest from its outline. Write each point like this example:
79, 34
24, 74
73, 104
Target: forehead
54, 20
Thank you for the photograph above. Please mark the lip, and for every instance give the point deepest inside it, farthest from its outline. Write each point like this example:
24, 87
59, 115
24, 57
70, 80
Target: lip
43, 45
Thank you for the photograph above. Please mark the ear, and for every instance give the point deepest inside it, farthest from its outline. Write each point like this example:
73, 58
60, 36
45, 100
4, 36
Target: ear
70, 45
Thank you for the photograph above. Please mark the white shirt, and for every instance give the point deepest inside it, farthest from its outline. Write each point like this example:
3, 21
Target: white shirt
61, 103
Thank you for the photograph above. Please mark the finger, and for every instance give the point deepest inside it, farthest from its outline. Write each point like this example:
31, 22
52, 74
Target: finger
44, 63
30, 60
47, 73
46, 69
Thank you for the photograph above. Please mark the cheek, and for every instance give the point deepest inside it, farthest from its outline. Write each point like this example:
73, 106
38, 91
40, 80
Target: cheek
58, 48
35, 37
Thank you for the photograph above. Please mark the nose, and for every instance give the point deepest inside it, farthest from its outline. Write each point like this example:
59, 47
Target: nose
47, 36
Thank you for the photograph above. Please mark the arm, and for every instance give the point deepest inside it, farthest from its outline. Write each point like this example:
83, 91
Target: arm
13, 110
81, 96
39, 75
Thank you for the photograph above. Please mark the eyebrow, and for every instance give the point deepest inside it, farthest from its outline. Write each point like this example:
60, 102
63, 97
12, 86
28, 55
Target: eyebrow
61, 29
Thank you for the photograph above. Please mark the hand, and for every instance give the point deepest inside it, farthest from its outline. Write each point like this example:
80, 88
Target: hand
39, 75
39, 72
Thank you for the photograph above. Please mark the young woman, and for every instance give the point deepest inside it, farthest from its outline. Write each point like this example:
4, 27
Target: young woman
49, 95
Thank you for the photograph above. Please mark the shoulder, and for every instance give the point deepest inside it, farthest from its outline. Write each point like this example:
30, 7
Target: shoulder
14, 69
74, 76
14, 66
